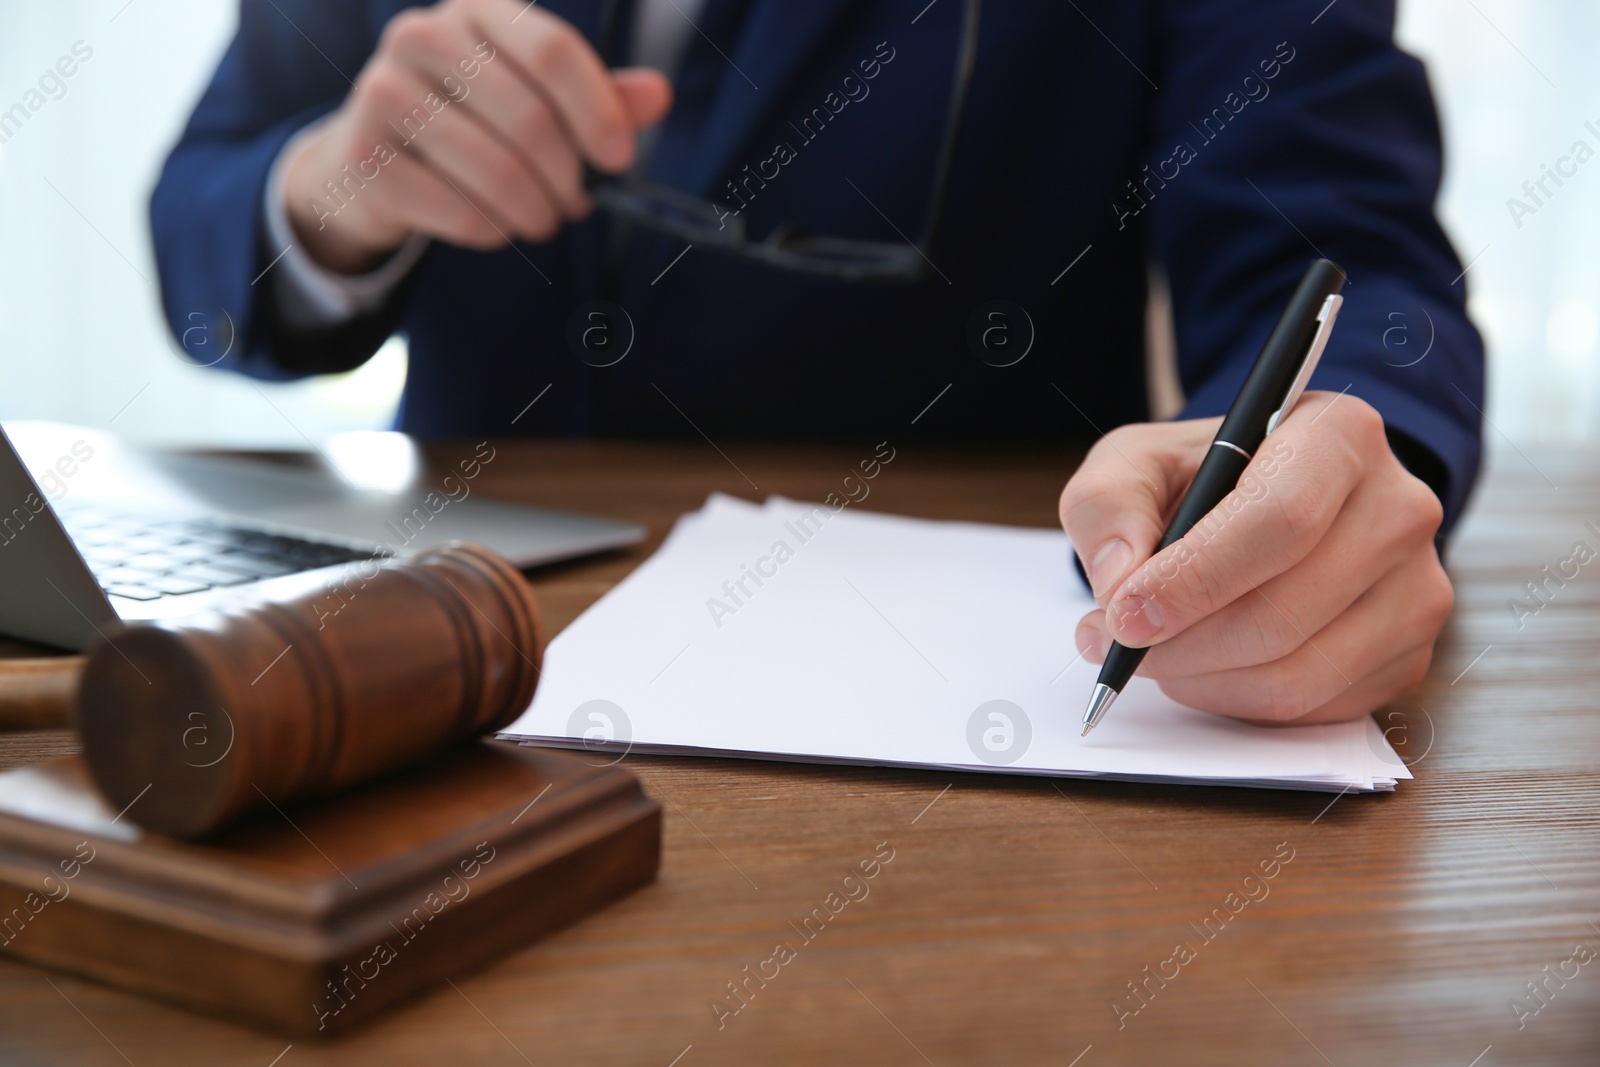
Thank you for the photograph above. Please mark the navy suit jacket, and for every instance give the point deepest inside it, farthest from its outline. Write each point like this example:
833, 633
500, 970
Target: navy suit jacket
1226, 141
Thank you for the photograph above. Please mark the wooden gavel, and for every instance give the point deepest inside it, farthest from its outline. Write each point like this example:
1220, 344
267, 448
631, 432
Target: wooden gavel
303, 685
37, 694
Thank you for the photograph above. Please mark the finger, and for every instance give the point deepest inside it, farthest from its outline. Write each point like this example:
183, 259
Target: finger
440, 51
1092, 638
551, 55
525, 122
489, 177
1284, 504
1368, 695
1399, 677
463, 149
1265, 700
420, 200
1115, 504
1400, 674
1386, 520
480, 167
399, 192
646, 94
1395, 619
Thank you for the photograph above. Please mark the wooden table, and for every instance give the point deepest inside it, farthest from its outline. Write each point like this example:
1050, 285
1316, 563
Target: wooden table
1015, 912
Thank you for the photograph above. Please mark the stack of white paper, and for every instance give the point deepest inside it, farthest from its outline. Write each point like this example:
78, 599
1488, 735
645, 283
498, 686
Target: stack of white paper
799, 632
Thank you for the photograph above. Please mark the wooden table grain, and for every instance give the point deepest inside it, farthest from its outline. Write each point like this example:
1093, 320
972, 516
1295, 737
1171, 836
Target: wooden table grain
1016, 915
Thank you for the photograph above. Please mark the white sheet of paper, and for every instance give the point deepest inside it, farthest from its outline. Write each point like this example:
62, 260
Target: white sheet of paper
792, 631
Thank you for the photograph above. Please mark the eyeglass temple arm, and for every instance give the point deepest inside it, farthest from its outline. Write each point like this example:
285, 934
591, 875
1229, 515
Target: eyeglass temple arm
965, 57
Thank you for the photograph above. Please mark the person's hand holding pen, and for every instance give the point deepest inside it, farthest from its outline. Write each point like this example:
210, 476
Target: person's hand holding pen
472, 124
1313, 593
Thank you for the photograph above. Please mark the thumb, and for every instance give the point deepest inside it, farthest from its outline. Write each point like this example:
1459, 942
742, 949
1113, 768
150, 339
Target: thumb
1115, 507
645, 93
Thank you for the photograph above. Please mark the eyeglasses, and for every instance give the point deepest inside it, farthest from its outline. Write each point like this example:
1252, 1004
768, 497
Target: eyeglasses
711, 225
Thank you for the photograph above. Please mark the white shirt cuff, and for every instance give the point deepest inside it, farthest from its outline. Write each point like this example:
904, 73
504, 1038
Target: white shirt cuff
308, 294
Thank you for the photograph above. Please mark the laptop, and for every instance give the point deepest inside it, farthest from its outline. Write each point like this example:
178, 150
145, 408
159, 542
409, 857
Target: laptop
94, 531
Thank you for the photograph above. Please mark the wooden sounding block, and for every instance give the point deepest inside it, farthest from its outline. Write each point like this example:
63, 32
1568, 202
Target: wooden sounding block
310, 921
358, 845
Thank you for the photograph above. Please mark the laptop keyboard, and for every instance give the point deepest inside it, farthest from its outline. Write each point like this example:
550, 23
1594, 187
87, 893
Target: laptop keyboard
145, 558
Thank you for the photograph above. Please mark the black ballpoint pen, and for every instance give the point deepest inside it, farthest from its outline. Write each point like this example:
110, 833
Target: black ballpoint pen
1268, 395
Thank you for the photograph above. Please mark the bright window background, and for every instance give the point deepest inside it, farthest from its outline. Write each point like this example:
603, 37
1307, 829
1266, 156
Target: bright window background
81, 338
1517, 82
81, 333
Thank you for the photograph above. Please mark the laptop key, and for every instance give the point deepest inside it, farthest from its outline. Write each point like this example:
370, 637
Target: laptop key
172, 585
185, 551
158, 562
249, 565
145, 558
132, 592
124, 576
197, 572
323, 555
146, 542
93, 536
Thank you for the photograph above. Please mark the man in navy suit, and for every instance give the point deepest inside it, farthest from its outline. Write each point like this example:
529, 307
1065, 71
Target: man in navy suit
361, 168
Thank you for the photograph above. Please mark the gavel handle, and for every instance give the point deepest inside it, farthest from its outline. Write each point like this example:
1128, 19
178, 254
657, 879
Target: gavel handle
37, 694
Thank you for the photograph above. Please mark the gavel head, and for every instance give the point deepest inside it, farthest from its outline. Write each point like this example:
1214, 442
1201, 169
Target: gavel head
307, 684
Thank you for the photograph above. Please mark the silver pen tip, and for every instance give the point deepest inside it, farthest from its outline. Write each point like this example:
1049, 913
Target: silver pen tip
1104, 696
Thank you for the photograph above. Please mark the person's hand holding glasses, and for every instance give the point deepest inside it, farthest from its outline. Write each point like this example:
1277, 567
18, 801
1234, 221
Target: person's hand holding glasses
484, 114
707, 224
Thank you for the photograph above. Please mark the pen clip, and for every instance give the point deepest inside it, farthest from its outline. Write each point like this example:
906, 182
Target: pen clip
1325, 317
